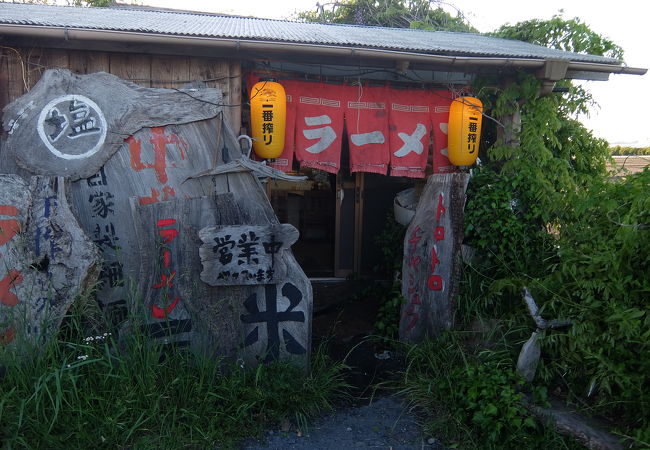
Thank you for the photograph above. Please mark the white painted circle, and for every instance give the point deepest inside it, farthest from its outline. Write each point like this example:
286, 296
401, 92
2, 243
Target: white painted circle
78, 98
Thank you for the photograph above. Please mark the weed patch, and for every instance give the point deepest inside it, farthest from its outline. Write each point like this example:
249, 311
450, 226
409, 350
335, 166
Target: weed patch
83, 393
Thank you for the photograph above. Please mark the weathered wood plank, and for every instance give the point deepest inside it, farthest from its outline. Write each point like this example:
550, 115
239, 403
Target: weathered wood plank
85, 62
134, 68
41, 59
16, 73
431, 264
234, 99
213, 72
245, 254
46, 260
72, 124
170, 71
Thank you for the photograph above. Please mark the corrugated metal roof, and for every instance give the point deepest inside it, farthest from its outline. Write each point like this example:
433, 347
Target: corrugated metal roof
248, 28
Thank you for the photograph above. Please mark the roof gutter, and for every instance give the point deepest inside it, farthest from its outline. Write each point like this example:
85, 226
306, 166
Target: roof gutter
239, 45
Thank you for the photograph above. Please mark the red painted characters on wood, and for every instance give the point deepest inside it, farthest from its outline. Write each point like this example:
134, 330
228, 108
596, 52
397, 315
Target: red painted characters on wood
435, 282
9, 228
414, 263
168, 299
159, 141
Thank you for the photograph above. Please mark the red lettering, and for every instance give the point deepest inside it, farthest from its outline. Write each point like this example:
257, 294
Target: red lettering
415, 238
414, 261
159, 140
165, 281
170, 234
161, 313
167, 258
168, 193
410, 312
165, 222
7, 336
8, 227
434, 259
8, 210
10, 280
439, 233
435, 283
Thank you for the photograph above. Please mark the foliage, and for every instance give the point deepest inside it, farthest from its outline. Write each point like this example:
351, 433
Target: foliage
418, 14
472, 399
391, 243
85, 393
544, 214
602, 284
571, 35
96, 3
620, 151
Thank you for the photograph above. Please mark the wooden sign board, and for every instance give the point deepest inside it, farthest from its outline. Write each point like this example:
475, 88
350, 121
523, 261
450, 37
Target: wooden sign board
245, 254
46, 261
70, 125
431, 264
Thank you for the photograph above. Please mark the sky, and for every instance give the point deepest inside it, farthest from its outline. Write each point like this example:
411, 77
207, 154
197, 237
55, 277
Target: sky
621, 100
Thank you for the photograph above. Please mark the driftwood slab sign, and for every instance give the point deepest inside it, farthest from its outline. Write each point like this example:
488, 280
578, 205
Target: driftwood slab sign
245, 254
69, 125
152, 166
273, 320
431, 264
252, 323
45, 260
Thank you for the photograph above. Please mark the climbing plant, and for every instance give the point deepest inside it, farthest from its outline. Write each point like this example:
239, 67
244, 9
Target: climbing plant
420, 14
545, 214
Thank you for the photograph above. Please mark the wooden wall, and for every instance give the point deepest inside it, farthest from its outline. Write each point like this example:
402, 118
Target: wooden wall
21, 68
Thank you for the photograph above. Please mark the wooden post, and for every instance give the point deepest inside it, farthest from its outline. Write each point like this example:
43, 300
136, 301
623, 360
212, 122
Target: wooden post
432, 254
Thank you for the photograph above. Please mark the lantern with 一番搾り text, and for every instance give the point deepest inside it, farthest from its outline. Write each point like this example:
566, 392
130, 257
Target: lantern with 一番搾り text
268, 117
465, 117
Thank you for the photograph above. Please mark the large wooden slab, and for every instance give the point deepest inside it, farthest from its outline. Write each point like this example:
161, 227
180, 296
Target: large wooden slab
276, 319
46, 261
153, 166
431, 264
70, 125
252, 323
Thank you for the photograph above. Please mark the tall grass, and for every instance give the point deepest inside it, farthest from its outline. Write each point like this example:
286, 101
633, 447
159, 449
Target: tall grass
79, 392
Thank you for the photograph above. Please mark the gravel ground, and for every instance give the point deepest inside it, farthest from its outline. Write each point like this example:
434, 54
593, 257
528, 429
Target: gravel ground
386, 423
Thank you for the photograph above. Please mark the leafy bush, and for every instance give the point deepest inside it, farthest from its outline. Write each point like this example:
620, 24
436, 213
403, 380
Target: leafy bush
473, 400
602, 284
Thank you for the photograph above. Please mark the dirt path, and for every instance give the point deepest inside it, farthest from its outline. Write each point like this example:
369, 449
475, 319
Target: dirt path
386, 423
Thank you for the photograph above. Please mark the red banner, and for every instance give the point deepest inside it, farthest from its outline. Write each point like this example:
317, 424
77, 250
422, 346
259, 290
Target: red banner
410, 127
366, 118
440, 102
385, 126
319, 125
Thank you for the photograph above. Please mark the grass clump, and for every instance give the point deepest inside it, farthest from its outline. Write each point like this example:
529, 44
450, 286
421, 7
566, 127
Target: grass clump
82, 393
474, 399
